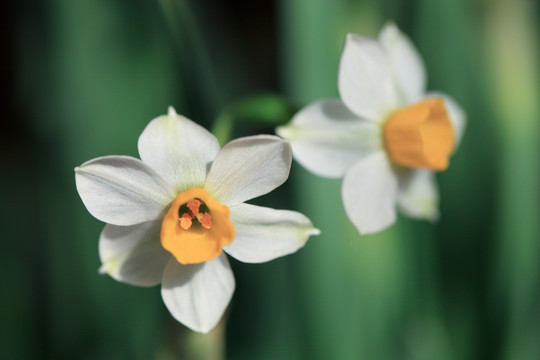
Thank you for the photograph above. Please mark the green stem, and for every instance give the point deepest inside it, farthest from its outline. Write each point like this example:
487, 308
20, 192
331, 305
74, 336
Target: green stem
185, 344
513, 45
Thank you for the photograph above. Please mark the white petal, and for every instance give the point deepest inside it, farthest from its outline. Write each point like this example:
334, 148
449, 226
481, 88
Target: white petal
327, 138
180, 150
249, 167
369, 194
133, 254
263, 234
365, 79
407, 66
457, 115
197, 295
122, 190
418, 195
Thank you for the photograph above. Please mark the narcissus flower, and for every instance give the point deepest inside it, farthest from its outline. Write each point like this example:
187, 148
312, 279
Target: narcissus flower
385, 136
172, 214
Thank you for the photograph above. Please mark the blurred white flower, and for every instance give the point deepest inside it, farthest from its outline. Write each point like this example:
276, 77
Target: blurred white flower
170, 215
385, 136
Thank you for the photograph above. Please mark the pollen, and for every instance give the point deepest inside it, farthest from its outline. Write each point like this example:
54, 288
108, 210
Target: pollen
196, 227
420, 135
205, 220
193, 212
194, 205
186, 221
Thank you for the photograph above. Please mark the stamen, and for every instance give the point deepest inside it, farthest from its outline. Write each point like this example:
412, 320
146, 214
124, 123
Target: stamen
205, 219
193, 212
185, 221
194, 206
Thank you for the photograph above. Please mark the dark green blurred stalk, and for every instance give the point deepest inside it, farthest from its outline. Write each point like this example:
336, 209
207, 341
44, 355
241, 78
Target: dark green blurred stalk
447, 37
92, 74
515, 72
187, 32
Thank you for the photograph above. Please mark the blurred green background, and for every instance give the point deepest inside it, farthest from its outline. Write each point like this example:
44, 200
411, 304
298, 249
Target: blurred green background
82, 78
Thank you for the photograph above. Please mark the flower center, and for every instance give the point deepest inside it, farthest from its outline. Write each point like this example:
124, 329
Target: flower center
196, 227
420, 135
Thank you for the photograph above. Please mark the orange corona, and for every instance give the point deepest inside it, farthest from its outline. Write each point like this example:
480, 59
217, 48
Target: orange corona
196, 227
420, 135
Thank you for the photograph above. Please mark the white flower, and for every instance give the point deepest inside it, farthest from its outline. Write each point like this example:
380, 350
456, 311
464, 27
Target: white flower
384, 137
170, 215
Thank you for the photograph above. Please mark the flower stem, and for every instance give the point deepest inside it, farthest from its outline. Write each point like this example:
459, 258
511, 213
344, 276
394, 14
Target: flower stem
185, 344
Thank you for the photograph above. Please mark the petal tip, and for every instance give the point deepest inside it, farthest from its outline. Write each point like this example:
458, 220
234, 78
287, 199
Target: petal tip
390, 27
172, 112
369, 231
282, 131
288, 133
390, 33
351, 38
